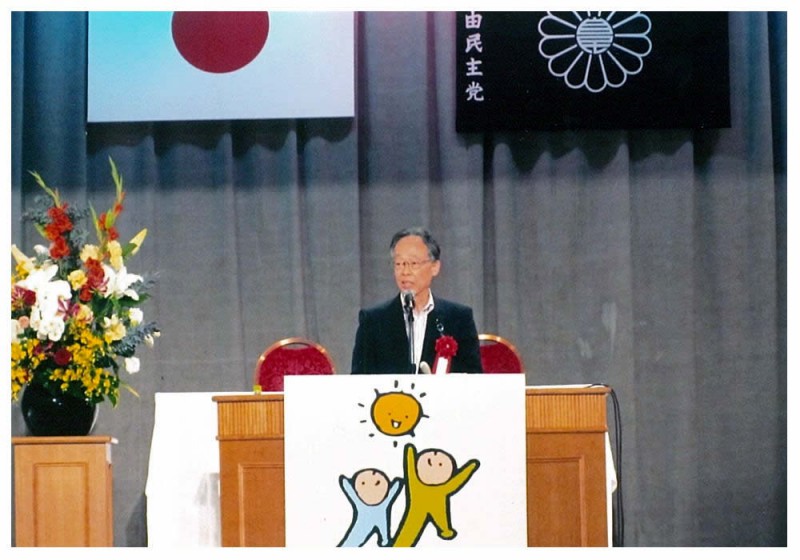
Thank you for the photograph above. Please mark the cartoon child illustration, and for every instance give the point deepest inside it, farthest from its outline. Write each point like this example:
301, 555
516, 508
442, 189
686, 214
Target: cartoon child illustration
431, 478
371, 496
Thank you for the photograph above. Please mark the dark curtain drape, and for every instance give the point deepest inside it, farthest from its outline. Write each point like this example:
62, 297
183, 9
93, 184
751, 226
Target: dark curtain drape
652, 260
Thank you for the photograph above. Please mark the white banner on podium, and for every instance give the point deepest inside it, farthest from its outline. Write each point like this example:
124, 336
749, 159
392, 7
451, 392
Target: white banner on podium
402, 460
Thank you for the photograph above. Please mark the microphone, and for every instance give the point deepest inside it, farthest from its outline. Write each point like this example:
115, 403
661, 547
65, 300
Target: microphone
408, 299
408, 308
424, 368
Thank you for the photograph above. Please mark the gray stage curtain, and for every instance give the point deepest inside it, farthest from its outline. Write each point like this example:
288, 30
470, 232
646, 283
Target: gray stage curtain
652, 261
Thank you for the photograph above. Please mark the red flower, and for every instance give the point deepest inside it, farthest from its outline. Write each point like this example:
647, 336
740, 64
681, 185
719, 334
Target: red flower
94, 273
86, 293
52, 231
95, 278
62, 357
59, 222
29, 297
111, 231
59, 249
22, 297
446, 346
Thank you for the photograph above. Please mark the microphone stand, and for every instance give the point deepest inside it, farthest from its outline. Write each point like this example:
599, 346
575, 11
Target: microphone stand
411, 352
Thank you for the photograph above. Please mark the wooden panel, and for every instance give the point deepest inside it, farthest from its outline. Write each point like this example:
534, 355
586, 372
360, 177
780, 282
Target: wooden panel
566, 410
61, 495
252, 495
250, 416
556, 489
63, 491
567, 504
263, 519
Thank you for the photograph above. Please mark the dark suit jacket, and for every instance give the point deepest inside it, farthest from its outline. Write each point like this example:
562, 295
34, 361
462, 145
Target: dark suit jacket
382, 344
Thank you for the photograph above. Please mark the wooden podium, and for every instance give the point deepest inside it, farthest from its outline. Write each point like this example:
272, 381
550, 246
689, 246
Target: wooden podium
566, 467
63, 491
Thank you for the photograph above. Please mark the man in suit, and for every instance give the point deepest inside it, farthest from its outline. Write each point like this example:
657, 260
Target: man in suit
382, 341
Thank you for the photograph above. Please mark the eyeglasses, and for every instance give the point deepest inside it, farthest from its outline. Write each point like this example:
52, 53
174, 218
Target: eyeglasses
413, 265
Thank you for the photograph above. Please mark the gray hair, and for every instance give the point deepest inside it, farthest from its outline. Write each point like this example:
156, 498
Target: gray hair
434, 251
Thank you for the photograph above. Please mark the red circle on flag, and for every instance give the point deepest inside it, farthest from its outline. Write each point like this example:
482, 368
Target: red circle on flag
220, 42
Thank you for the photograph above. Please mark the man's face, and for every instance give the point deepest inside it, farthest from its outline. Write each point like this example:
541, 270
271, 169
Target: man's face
413, 268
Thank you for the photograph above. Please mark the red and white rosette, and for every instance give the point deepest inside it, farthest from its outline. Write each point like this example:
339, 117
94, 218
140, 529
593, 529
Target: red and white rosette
446, 348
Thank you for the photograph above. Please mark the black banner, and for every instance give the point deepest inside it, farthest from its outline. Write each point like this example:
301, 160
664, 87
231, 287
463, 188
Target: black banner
602, 70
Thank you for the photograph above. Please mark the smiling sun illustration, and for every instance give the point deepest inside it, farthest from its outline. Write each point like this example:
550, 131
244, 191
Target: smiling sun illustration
396, 413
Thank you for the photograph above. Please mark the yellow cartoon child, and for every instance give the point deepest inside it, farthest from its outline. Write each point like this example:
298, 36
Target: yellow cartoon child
431, 478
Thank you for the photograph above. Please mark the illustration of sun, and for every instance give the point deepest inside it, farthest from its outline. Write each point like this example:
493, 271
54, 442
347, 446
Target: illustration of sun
396, 413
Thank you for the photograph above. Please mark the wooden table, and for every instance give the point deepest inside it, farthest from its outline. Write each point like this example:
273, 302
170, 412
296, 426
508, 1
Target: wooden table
63, 491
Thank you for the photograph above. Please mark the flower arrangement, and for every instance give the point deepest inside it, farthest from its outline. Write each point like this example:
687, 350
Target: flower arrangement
75, 314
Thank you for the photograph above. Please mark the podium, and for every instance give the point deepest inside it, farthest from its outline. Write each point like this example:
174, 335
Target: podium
566, 466
63, 491
567, 499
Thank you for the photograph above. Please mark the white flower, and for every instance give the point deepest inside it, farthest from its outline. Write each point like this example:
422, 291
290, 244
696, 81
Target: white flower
16, 330
38, 277
120, 282
46, 313
132, 364
135, 315
49, 298
52, 327
150, 339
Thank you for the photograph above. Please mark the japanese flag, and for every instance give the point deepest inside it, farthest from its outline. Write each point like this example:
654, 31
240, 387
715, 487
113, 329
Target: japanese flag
175, 66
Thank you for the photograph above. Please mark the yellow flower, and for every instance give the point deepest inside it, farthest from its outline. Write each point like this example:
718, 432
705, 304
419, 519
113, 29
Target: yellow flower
115, 254
24, 263
84, 314
21, 257
77, 278
114, 329
90, 252
138, 240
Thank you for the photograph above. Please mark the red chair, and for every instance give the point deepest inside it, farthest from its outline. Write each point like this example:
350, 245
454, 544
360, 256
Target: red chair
498, 355
290, 356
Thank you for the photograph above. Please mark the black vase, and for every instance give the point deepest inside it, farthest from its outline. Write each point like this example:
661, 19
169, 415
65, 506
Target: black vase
48, 414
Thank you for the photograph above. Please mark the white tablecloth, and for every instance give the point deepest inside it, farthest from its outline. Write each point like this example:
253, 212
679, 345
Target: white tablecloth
183, 474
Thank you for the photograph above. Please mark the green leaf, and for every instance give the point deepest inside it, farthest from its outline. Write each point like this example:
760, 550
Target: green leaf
53, 193
127, 249
115, 175
40, 229
96, 224
129, 388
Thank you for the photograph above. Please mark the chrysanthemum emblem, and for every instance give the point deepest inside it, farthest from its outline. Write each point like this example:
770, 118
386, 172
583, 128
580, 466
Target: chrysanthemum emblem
594, 50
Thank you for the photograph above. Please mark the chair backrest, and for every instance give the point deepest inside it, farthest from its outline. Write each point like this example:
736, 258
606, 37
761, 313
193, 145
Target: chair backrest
290, 356
498, 355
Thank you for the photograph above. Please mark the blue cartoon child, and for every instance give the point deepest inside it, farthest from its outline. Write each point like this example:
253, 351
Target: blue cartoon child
371, 496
